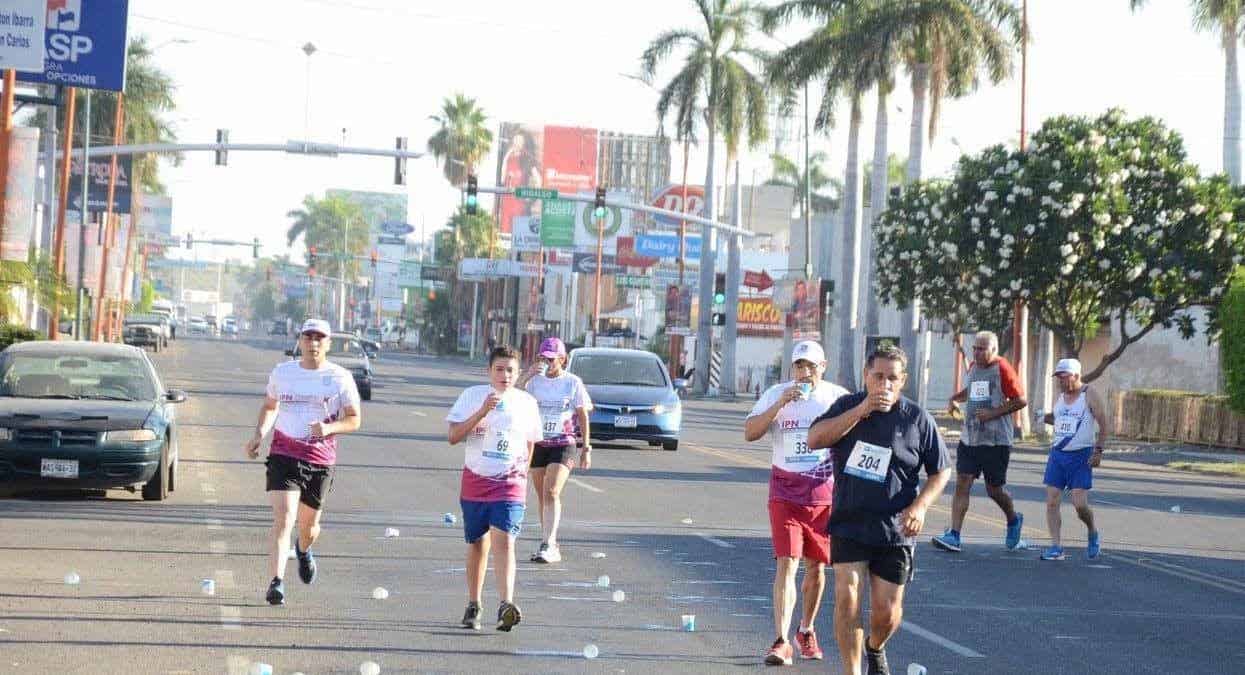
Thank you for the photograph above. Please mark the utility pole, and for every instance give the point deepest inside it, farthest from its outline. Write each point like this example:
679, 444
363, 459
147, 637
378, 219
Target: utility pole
730, 330
86, 184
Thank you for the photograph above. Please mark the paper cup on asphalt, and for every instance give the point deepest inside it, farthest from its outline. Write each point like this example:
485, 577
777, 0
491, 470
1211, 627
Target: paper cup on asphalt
208, 586
689, 623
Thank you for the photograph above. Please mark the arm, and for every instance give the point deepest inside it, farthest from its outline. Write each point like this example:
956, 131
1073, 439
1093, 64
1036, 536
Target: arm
913, 518
585, 459
1099, 411
267, 417
960, 397
1009, 406
350, 421
826, 433
756, 425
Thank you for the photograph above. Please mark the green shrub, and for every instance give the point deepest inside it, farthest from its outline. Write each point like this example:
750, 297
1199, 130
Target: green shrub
11, 333
1232, 341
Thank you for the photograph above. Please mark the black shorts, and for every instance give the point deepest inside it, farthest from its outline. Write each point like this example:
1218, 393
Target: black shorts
554, 454
896, 564
313, 481
990, 460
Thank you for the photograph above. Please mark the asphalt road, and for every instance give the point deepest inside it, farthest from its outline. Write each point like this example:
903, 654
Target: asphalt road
682, 532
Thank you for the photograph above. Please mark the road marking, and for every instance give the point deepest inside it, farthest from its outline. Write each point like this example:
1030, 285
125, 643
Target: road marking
1182, 572
590, 488
218, 547
211, 501
1100, 500
547, 652
224, 579
729, 456
714, 540
230, 618
207, 487
941, 641
419, 413
215, 524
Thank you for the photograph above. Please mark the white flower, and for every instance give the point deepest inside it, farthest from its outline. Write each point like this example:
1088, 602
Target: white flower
1030, 229
976, 222
1056, 165
1102, 218
1041, 216
920, 215
1005, 293
1187, 182
1003, 264
1072, 259
1099, 244
1154, 273
903, 255
994, 232
1215, 234
1104, 264
988, 293
981, 245
981, 208
1128, 220
1225, 217
990, 196
1236, 259
1135, 155
1005, 253
1074, 237
950, 248
1024, 293
1011, 199
1065, 270
985, 270
1055, 186
1136, 271
1066, 250
1197, 209
1096, 140
1015, 284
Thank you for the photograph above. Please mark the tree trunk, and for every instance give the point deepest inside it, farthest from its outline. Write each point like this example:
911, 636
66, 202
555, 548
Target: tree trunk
910, 318
1231, 107
849, 308
708, 251
878, 188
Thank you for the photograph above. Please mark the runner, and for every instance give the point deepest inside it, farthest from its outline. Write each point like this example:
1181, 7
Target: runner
799, 494
500, 424
1076, 448
564, 404
879, 442
308, 403
993, 393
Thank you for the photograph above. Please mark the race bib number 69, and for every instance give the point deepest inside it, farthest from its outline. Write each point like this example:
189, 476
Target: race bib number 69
869, 462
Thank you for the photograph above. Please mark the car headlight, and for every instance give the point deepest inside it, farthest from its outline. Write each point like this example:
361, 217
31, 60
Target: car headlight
663, 408
130, 436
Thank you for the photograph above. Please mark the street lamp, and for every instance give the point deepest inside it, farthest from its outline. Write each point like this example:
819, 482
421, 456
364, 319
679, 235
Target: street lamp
308, 49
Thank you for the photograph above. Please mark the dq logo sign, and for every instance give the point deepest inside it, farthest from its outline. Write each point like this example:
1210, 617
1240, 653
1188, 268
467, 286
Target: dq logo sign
670, 198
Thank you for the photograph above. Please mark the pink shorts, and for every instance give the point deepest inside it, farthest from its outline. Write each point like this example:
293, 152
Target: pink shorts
800, 531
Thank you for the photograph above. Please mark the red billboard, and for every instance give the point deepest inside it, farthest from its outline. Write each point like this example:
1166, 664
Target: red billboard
558, 158
570, 159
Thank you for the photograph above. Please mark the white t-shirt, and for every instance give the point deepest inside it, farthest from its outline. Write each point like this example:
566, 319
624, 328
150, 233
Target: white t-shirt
497, 456
798, 474
306, 396
559, 397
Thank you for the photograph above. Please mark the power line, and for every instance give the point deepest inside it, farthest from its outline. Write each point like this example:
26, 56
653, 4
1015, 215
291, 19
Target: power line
259, 40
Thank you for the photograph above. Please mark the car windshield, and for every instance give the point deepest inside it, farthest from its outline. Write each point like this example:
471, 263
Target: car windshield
636, 370
76, 376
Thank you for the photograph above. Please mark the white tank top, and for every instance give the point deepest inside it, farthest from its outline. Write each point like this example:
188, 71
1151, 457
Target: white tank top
1075, 427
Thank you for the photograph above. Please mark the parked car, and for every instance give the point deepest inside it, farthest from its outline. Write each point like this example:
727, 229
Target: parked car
213, 326
144, 330
346, 351
230, 326
280, 327
632, 395
197, 326
86, 415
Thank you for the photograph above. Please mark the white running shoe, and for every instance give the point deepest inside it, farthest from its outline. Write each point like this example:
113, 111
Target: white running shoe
551, 554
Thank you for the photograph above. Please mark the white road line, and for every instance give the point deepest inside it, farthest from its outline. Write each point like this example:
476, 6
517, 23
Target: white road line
218, 547
714, 540
590, 488
207, 487
547, 652
215, 524
230, 618
1100, 500
941, 641
419, 413
224, 579
211, 501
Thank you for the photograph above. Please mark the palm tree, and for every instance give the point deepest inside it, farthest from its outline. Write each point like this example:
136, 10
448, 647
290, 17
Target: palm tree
463, 138
715, 78
1227, 18
786, 173
466, 236
336, 228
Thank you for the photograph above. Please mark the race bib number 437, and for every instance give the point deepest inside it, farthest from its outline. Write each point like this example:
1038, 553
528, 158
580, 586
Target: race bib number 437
869, 462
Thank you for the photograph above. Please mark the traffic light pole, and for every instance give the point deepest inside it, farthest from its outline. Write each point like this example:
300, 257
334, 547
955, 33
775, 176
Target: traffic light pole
596, 305
728, 374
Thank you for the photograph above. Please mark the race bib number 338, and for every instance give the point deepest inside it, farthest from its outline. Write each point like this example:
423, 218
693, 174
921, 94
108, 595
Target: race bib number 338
869, 462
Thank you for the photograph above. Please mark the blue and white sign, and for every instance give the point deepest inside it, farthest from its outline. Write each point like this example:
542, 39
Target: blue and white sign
85, 45
22, 34
395, 228
666, 246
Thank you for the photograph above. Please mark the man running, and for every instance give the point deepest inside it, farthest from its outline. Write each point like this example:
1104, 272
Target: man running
501, 425
309, 402
1076, 448
993, 393
879, 441
564, 403
799, 494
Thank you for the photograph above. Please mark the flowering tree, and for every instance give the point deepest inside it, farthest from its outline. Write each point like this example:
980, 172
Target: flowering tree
1100, 220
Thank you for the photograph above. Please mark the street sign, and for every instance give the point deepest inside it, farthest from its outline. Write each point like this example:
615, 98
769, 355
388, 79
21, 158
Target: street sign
85, 43
586, 263
396, 228
391, 241
557, 223
430, 273
633, 281
535, 193
100, 168
24, 23
758, 280
307, 148
667, 246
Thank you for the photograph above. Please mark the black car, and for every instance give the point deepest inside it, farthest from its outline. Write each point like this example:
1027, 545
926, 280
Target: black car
346, 351
86, 415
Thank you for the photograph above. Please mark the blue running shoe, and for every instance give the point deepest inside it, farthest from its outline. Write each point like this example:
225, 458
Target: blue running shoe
1094, 548
947, 541
1053, 553
1013, 532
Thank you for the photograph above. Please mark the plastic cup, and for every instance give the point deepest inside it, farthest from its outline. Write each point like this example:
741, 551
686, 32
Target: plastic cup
618, 596
598, 555
449, 519
544, 370
73, 579
591, 651
379, 593
805, 390
686, 521
603, 581
689, 623
261, 669
208, 586
391, 532
916, 669
369, 668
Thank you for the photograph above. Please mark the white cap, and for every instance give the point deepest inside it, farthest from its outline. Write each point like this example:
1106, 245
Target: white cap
1069, 366
316, 326
808, 351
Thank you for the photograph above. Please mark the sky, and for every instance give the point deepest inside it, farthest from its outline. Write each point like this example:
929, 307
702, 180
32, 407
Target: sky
382, 67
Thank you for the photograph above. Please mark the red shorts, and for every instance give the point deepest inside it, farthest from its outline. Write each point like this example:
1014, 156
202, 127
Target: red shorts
800, 531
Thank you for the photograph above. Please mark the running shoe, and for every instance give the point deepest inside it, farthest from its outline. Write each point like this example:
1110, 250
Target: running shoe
1053, 553
508, 616
552, 554
948, 541
276, 592
539, 555
471, 618
1013, 532
876, 662
809, 649
306, 564
1094, 548
779, 654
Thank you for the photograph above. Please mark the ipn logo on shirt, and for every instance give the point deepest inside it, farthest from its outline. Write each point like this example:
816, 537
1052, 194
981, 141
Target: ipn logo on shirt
65, 15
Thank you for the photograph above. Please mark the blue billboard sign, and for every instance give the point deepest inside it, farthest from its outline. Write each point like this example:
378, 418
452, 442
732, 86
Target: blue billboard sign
666, 246
85, 44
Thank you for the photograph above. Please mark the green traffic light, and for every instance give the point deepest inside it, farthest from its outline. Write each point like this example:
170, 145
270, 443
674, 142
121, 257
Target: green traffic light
720, 298
599, 212
471, 200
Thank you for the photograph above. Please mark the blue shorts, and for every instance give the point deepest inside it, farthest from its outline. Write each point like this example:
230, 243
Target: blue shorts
1069, 469
478, 517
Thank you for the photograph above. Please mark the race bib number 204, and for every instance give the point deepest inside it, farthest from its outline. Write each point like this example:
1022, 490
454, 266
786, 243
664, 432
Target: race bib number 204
869, 462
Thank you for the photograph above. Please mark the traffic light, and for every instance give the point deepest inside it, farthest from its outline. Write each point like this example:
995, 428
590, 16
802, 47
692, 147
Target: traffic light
599, 203
472, 199
826, 295
255, 248
374, 258
222, 155
399, 163
719, 289
190, 240
432, 294
311, 255
719, 319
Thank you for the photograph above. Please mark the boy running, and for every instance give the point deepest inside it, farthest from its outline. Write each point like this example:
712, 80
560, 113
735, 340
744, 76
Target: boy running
800, 490
309, 402
563, 403
500, 424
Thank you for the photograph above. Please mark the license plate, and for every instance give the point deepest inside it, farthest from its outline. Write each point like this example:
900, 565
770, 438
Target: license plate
625, 421
59, 468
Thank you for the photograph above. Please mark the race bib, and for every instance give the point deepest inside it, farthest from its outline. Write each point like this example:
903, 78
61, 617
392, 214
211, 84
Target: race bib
979, 391
869, 462
500, 446
1065, 426
796, 455
552, 425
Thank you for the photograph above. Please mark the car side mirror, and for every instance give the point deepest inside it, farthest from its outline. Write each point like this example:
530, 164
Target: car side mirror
289, 352
680, 384
175, 396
